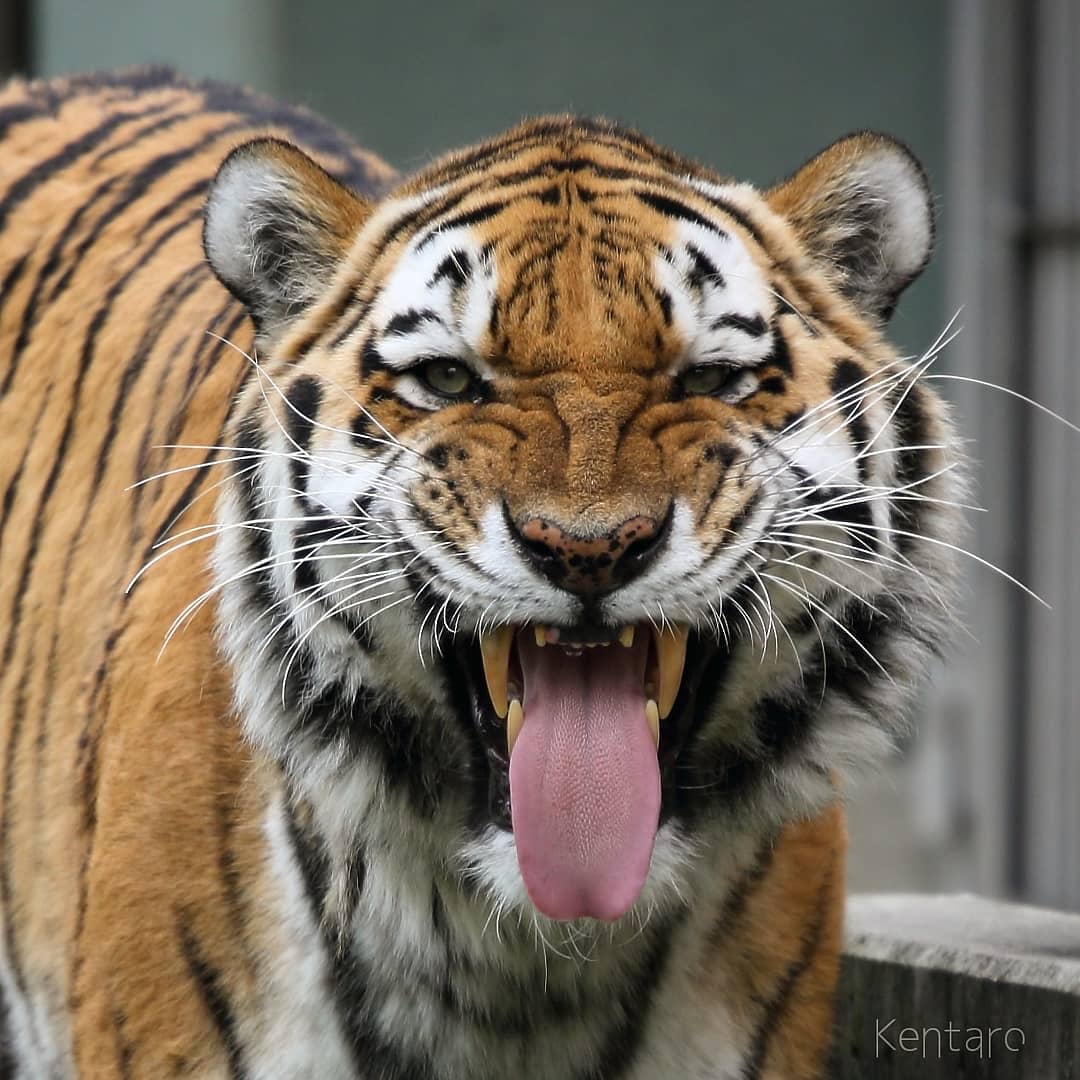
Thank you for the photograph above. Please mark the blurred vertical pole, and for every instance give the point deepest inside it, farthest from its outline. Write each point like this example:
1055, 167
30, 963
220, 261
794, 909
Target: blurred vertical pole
984, 210
1051, 239
1014, 214
14, 37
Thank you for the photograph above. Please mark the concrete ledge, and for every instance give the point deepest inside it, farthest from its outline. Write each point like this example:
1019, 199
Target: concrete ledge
958, 986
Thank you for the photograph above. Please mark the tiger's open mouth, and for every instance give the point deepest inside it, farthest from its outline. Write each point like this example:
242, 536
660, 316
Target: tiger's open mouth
581, 728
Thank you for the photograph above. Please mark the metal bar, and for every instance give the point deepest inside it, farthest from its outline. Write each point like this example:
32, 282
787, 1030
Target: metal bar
15, 48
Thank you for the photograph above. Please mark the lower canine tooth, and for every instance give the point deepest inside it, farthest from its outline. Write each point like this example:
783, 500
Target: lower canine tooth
514, 719
652, 718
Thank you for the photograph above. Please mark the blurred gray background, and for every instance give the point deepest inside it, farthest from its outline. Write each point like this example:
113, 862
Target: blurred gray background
985, 796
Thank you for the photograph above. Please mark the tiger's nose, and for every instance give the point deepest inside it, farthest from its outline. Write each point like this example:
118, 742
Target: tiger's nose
593, 564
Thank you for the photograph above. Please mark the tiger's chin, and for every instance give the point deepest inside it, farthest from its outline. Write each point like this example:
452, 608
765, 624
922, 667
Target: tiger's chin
582, 728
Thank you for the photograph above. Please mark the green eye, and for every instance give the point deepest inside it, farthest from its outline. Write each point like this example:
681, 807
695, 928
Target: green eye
448, 378
709, 378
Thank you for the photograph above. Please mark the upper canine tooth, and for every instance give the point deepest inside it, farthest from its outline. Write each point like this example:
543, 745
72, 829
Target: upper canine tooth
495, 653
626, 637
671, 654
541, 635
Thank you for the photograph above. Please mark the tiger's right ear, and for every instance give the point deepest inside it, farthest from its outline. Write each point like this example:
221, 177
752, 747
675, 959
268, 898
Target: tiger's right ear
277, 227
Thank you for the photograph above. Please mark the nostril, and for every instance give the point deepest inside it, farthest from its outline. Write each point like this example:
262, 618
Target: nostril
539, 549
641, 548
643, 543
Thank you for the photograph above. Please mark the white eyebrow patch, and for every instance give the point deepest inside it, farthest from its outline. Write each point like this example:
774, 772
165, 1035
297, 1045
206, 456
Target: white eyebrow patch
721, 302
436, 302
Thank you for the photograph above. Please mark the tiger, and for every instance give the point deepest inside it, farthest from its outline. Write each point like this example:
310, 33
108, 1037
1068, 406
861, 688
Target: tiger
443, 614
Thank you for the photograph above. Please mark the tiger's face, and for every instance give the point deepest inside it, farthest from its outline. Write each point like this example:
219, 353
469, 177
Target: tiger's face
586, 492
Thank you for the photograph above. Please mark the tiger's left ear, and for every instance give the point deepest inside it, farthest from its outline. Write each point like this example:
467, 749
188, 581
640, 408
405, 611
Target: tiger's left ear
277, 227
863, 208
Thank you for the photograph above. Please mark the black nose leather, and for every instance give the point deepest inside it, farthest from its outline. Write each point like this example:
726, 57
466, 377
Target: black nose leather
594, 564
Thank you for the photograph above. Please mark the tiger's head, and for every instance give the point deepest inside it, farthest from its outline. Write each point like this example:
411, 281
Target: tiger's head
581, 514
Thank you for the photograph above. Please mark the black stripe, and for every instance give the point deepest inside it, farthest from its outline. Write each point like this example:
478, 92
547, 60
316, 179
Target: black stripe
312, 860
14, 738
213, 346
65, 156
675, 208
779, 354
371, 1051
704, 270
7, 1046
777, 1005
7, 287
456, 267
231, 877
739, 894
623, 1042
195, 190
368, 724
13, 486
912, 429
213, 993
363, 308
755, 325
125, 1049
742, 515
469, 217
59, 458
846, 375
11, 116
735, 214
46, 270
136, 187
406, 322
303, 399
140, 135
170, 298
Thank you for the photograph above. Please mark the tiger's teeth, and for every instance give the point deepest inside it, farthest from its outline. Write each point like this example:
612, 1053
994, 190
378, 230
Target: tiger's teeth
652, 718
515, 717
495, 653
541, 635
671, 655
626, 637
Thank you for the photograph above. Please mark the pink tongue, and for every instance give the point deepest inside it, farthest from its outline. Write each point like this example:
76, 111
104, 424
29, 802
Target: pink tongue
584, 780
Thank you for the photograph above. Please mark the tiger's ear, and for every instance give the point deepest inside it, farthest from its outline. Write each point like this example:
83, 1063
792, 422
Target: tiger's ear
277, 226
863, 208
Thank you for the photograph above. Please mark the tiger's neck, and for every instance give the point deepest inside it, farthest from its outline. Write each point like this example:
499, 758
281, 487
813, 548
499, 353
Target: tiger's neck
426, 976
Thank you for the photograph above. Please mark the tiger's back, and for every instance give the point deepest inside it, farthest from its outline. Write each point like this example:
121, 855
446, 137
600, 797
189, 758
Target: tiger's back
121, 357
297, 862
